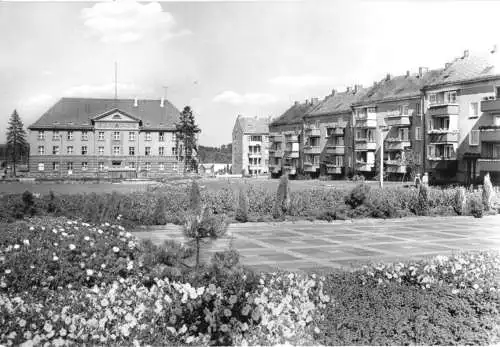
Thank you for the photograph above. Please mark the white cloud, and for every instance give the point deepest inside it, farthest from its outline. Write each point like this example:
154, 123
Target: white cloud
234, 98
300, 81
125, 90
129, 21
36, 102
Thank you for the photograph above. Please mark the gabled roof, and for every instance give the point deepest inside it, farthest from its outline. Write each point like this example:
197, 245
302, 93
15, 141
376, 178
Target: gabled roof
294, 115
70, 113
469, 67
337, 102
114, 110
397, 87
253, 125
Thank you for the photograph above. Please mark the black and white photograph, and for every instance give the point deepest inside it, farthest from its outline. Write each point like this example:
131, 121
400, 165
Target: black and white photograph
249, 173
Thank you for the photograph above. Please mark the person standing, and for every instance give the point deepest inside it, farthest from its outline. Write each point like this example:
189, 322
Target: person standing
425, 179
417, 180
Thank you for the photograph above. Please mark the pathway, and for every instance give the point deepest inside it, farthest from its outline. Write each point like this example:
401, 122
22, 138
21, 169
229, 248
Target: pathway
316, 246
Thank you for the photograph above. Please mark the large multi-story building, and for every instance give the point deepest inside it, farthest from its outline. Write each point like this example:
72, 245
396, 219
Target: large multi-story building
286, 139
463, 139
328, 134
250, 146
122, 138
391, 109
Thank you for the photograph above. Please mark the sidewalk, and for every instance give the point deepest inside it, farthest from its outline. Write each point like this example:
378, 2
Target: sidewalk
310, 246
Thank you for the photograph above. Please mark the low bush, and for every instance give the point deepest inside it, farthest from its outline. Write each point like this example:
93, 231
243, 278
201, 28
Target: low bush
476, 206
242, 208
357, 196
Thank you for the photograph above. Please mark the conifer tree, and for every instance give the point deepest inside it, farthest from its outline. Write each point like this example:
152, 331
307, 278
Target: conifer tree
187, 146
16, 140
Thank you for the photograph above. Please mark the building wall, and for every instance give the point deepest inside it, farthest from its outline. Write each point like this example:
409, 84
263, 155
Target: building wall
237, 148
264, 146
290, 128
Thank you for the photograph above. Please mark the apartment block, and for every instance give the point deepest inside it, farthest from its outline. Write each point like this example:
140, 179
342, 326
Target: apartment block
123, 138
328, 135
461, 116
286, 139
391, 110
250, 146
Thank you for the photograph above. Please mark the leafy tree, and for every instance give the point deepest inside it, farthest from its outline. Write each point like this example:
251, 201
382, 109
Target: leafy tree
242, 209
282, 201
410, 159
195, 197
187, 146
17, 146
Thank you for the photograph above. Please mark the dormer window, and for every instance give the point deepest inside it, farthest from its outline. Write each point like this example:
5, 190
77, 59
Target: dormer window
117, 116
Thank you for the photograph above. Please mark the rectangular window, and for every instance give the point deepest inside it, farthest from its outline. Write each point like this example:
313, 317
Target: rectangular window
161, 151
69, 149
496, 120
339, 160
161, 136
497, 92
148, 135
41, 135
116, 150
85, 135
55, 135
256, 138
147, 150
41, 150
131, 136
174, 150
474, 110
69, 165
55, 149
85, 150
69, 135
41, 167
418, 134
131, 151
371, 110
100, 166
101, 136
431, 153
101, 150
403, 110
417, 109
85, 165
147, 166
55, 165
116, 135
474, 138
131, 165
432, 98
450, 97
162, 166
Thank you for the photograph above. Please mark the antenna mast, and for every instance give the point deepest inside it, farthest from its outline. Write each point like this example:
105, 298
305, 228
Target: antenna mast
116, 80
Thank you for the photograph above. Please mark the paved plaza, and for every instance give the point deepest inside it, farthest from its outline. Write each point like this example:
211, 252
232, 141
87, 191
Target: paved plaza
322, 246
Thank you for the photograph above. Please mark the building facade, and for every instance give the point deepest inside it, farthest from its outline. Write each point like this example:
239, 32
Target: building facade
250, 146
124, 138
461, 109
328, 134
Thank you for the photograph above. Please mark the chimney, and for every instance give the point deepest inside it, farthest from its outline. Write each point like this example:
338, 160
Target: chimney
357, 88
466, 53
135, 102
388, 77
447, 65
348, 89
314, 101
494, 50
422, 71
162, 101
333, 92
407, 73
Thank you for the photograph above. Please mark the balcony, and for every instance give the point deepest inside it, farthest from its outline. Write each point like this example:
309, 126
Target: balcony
395, 166
489, 164
490, 105
292, 138
364, 166
275, 169
365, 145
335, 149
443, 136
311, 167
292, 154
291, 169
490, 135
255, 155
312, 150
278, 153
366, 123
313, 132
336, 132
398, 120
440, 110
396, 144
333, 169
440, 163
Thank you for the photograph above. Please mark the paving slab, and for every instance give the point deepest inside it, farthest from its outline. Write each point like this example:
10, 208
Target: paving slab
319, 246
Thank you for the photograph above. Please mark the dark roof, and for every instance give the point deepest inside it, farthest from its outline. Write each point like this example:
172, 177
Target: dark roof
469, 67
79, 112
253, 125
337, 103
397, 87
294, 115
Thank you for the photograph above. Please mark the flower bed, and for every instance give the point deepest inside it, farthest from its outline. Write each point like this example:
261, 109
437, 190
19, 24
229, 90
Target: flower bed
444, 300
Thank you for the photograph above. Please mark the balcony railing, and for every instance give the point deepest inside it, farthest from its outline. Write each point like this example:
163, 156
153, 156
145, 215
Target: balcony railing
489, 164
490, 105
490, 135
396, 169
255, 154
313, 132
365, 146
292, 138
333, 169
364, 166
310, 166
312, 149
398, 121
336, 132
397, 146
366, 123
443, 136
442, 158
335, 149
437, 110
292, 154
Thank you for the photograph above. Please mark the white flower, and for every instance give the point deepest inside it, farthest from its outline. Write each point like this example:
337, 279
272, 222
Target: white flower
54, 231
72, 246
455, 291
103, 266
63, 332
22, 323
90, 272
104, 302
116, 249
43, 228
55, 258
130, 265
475, 286
32, 228
124, 330
8, 271
16, 246
86, 238
26, 242
183, 329
99, 231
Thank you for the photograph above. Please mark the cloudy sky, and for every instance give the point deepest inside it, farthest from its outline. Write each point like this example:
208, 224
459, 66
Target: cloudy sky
224, 58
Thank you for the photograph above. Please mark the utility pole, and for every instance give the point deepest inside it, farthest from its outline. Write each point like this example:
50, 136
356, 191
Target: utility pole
381, 173
116, 81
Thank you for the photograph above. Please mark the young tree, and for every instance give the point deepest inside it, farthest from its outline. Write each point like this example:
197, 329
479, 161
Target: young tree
187, 146
16, 139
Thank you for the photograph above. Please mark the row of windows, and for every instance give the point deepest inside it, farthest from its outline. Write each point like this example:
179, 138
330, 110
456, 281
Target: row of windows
56, 136
56, 166
116, 150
